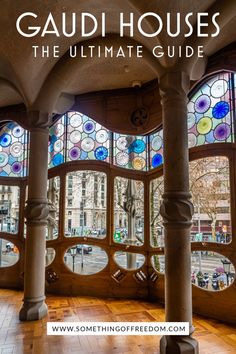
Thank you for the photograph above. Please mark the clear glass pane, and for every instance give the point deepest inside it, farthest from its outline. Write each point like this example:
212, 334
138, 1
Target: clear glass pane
9, 208
211, 271
9, 253
50, 254
156, 222
86, 200
129, 260
53, 194
158, 263
85, 259
210, 189
128, 211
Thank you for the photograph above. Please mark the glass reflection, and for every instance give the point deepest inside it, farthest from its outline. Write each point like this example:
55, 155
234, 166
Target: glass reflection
9, 208
129, 211
85, 259
129, 260
211, 271
86, 200
9, 253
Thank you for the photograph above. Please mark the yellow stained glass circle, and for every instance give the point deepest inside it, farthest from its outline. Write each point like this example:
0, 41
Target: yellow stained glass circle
138, 163
204, 125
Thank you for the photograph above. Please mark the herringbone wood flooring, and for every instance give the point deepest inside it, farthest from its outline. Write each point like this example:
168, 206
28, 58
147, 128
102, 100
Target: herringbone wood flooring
30, 337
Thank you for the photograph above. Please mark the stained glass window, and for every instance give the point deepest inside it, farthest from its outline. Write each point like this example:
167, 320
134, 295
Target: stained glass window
75, 136
130, 151
13, 151
210, 113
210, 117
86, 139
57, 143
156, 149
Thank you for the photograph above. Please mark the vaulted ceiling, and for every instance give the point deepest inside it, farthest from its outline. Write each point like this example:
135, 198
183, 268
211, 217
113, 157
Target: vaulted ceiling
24, 79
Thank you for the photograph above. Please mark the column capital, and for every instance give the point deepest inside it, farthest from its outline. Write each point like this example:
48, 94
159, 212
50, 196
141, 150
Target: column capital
174, 85
38, 120
36, 212
177, 209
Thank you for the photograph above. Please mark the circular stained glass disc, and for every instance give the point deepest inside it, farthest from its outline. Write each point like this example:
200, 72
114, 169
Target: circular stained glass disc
191, 120
157, 160
156, 143
5, 140
222, 132
101, 136
138, 163
59, 129
137, 146
17, 131
3, 159
89, 127
204, 125
58, 146
16, 167
57, 159
87, 144
101, 153
122, 159
74, 153
16, 149
219, 88
192, 140
122, 143
75, 120
202, 104
220, 110
75, 136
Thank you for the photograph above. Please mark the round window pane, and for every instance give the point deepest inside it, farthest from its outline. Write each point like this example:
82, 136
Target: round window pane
85, 259
9, 253
129, 260
211, 270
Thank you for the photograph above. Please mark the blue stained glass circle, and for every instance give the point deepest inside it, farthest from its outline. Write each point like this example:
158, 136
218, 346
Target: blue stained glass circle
202, 104
52, 139
5, 140
137, 146
57, 159
157, 160
220, 110
101, 153
89, 127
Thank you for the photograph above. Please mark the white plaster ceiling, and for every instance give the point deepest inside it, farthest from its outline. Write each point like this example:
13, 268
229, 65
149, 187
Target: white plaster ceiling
34, 78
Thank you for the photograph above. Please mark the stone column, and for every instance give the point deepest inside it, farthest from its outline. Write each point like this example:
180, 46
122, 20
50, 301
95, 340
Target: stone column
177, 211
36, 213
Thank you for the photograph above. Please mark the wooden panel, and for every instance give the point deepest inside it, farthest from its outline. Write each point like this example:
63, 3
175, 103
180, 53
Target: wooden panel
31, 338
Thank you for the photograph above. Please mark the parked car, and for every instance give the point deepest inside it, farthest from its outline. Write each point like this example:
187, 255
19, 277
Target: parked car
86, 249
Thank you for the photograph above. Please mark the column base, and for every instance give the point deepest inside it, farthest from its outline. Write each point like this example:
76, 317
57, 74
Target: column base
178, 345
33, 311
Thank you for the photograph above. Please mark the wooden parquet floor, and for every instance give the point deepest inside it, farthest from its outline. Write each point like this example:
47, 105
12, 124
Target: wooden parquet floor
31, 338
